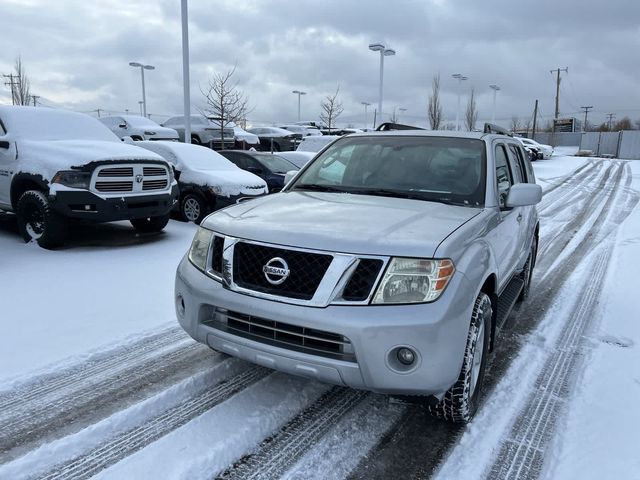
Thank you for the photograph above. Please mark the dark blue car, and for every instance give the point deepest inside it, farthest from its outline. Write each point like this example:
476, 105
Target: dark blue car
271, 168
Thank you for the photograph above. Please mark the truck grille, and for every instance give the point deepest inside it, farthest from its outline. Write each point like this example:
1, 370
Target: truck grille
362, 281
306, 270
284, 335
130, 178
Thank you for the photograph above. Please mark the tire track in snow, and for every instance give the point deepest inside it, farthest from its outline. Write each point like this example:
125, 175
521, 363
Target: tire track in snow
279, 452
136, 438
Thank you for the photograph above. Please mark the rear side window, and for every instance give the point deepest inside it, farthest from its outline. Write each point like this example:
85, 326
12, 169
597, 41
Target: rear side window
503, 174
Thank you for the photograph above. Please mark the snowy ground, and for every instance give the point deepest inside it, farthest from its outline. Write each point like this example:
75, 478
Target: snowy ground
96, 379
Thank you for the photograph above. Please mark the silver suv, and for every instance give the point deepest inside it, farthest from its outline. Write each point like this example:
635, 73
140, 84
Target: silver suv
387, 263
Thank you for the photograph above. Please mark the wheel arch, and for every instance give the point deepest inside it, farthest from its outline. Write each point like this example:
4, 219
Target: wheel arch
23, 182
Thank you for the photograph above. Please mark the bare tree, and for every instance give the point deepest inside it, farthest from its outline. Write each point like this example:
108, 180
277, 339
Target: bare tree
515, 124
471, 115
21, 85
225, 102
435, 108
331, 109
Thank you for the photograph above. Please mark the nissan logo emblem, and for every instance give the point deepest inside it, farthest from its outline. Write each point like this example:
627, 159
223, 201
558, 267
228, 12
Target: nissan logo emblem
276, 271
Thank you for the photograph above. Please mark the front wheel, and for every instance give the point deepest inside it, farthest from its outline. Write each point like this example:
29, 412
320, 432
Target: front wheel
37, 221
150, 224
193, 208
460, 402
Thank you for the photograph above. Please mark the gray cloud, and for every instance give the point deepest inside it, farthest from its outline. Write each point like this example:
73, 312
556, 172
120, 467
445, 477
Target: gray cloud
77, 53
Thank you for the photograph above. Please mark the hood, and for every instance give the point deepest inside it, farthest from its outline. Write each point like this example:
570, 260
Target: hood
229, 183
64, 154
346, 223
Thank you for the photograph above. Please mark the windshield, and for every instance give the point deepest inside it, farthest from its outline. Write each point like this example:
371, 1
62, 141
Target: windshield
275, 163
440, 169
140, 121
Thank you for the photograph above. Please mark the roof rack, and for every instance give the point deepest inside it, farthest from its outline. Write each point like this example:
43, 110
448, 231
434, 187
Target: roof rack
384, 127
491, 128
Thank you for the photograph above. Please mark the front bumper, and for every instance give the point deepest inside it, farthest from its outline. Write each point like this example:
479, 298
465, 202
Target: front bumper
85, 205
437, 332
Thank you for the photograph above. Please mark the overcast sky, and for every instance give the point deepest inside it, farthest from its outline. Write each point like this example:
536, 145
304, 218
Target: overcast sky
76, 53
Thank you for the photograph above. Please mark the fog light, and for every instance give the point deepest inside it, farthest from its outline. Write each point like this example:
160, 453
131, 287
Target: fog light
406, 356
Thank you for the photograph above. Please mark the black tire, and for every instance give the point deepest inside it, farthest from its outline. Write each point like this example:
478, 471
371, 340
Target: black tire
195, 140
193, 208
460, 402
527, 271
150, 224
37, 220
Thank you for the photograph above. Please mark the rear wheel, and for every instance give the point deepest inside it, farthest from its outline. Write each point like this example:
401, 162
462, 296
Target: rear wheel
37, 221
460, 402
150, 224
193, 208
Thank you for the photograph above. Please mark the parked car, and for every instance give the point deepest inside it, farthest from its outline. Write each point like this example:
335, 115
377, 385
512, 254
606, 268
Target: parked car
58, 166
276, 139
298, 158
270, 167
303, 130
207, 180
545, 150
316, 143
203, 131
138, 128
244, 139
388, 264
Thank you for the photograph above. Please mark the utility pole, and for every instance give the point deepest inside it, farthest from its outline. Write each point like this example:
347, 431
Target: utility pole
97, 110
611, 116
535, 120
35, 99
13, 84
586, 112
557, 71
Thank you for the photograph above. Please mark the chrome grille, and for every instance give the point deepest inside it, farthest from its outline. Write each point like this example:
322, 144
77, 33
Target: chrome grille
153, 171
154, 184
130, 178
284, 335
114, 186
116, 172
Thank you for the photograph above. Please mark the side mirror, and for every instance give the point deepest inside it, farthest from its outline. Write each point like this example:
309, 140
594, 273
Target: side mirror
122, 125
523, 195
289, 176
4, 144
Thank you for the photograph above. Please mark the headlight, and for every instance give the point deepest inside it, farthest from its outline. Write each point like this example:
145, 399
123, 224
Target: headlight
413, 280
172, 174
200, 248
73, 179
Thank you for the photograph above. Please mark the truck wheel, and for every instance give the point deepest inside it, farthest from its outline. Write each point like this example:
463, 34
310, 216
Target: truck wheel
37, 221
195, 140
460, 402
193, 208
527, 272
150, 224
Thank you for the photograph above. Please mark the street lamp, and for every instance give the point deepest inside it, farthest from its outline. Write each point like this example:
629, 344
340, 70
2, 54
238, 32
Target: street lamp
365, 112
142, 69
461, 78
384, 52
140, 104
495, 89
299, 93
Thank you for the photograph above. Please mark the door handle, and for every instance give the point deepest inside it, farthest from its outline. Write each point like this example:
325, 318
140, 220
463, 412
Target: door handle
519, 217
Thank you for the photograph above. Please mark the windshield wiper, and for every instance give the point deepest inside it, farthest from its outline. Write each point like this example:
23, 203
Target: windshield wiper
385, 192
316, 187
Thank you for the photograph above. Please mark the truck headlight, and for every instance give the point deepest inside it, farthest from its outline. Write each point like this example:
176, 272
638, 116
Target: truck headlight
73, 179
413, 280
200, 248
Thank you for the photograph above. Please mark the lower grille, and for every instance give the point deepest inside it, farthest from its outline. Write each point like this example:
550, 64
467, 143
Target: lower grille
284, 335
154, 184
114, 186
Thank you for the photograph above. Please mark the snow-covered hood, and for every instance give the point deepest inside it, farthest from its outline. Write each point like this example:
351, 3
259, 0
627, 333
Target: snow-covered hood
48, 157
155, 133
227, 183
245, 136
347, 223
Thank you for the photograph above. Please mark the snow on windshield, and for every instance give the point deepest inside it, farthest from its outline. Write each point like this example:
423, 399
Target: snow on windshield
40, 123
140, 121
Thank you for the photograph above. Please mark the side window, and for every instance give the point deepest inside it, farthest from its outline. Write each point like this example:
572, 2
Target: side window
237, 160
503, 174
520, 173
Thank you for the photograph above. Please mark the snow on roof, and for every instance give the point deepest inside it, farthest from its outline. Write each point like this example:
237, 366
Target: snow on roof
42, 123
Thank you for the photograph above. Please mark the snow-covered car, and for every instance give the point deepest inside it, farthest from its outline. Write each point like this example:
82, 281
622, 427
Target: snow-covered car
57, 166
316, 143
546, 151
203, 131
138, 128
297, 157
304, 130
388, 264
276, 139
207, 180
272, 168
244, 139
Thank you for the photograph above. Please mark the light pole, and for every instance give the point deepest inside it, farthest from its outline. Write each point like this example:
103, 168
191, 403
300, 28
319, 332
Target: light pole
140, 103
144, 96
384, 52
299, 93
366, 105
402, 110
495, 89
185, 71
461, 78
